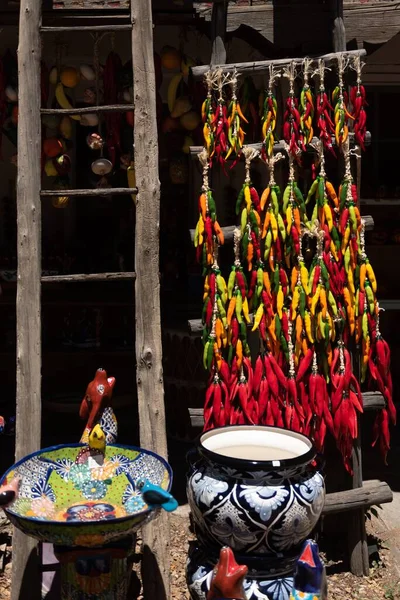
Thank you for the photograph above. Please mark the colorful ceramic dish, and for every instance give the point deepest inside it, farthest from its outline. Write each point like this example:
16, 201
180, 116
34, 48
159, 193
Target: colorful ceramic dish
72, 495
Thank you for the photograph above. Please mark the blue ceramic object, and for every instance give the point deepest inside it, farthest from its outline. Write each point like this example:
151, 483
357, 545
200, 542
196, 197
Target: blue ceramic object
309, 575
71, 503
257, 507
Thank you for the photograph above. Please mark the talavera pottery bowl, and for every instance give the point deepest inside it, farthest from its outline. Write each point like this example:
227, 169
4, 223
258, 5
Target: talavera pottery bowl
70, 498
256, 506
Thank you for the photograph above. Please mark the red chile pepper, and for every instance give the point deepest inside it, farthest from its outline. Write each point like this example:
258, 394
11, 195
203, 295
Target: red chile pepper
285, 324
217, 402
224, 372
258, 375
255, 198
243, 395
249, 374
263, 397
305, 364
235, 331
252, 284
344, 217
271, 377
295, 239
241, 284
209, 312
226, 403
283, 381
262, 328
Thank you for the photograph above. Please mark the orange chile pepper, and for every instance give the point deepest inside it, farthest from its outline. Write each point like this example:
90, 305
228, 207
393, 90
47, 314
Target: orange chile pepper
231, 309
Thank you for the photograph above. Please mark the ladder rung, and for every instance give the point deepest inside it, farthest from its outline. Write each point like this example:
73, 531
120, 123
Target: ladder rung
83, 277
126, 27
87, 193
88, 109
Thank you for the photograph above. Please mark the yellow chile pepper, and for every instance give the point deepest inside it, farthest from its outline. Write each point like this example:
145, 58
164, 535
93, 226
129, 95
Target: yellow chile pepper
330, 190
243, 220
347, 298
371, 277
271, 329
264, 197
332, 303
203, 206
333, 250
274, 226
231, 309
196, 235
247, 197
267, 282
297, 352
304, 278
350, 281
268, 243
299, 328
294, 278
347, 259
314, 300
279, 302
356, 303
267, 219
345, 239
322, 301
370, 299
289, 219
231, 283
258, 317
364, 325
245, 309
304, 346
321, 326
328, 216
295, 302
239, 353
257, 217
308, 327
281, 227
238, 307
363, 273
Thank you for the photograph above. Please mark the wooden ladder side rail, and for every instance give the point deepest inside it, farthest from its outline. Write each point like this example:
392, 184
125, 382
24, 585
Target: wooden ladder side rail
149, 373
25, 565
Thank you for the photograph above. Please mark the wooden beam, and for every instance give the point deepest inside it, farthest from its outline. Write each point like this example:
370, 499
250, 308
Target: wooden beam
262, 66
338, 29
84, 277
91, 28
228, 231
149, 373
90, 192
218, 29
375, 22
86, 110
25, 564
281, 145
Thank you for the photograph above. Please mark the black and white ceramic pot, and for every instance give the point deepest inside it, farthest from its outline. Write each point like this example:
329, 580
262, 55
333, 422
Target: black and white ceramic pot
264, 505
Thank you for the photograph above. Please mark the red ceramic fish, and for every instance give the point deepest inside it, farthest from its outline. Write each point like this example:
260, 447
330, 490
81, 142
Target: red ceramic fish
228, 577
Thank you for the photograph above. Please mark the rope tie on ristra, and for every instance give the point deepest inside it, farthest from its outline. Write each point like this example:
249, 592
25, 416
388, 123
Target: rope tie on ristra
271, 162
204, 162
249, 155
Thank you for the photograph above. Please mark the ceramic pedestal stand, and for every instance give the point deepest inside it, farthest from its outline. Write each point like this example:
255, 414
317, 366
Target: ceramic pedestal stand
101, 573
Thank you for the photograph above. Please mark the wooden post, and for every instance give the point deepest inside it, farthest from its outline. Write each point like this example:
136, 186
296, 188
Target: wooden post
356, 533
218, 30
25, 563
156, 538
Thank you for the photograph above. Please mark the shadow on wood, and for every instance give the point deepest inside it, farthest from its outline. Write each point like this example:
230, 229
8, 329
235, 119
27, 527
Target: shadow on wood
28, 563
152, 579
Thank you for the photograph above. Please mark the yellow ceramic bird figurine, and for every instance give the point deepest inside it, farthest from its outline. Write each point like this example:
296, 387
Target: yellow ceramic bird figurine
97, 439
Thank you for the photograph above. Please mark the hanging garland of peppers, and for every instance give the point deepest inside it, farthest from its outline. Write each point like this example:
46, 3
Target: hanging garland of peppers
307, 312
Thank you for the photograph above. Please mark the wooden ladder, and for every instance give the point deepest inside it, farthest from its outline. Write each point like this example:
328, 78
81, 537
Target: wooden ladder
363, 494
146, 276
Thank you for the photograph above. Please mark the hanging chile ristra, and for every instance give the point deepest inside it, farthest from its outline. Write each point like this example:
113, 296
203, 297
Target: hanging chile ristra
207, 227
358, 103
306, 107
235, 119
326, 205
248, 206
207, 114
291, 117
294, 211
340, 101
346, 402
326, 127
269, 115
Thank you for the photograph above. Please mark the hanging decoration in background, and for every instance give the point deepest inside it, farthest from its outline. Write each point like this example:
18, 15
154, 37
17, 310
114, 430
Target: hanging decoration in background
269, 115
310, 309
358, 102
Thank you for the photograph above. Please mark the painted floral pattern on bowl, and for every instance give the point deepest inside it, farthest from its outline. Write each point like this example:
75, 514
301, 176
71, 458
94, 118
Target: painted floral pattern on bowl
62, 501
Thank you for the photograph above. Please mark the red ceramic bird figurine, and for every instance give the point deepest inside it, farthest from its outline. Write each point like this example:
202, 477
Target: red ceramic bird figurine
96, 407
8, 492
228, 577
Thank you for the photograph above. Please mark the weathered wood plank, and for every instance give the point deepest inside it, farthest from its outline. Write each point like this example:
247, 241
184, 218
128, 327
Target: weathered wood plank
107, 108
375, 22
90, 192
281, 145
218, 29
25, 571
369, 494
92, 28
149, 374
262, 66
84, 277
228, 231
